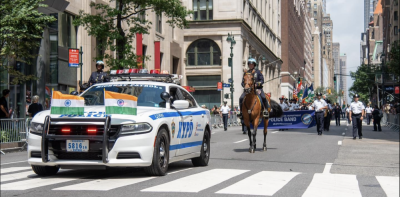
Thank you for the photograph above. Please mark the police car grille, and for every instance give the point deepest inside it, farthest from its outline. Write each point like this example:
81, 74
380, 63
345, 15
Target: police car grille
80, 129
79, 156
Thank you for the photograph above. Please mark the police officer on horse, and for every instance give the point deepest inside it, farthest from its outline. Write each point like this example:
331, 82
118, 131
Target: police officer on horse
259, 81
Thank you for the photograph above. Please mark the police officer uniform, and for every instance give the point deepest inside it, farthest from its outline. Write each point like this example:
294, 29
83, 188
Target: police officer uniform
98, 76
225, 114
357, 112
318, 106
368, 112
283, 105
259, 81
327, 119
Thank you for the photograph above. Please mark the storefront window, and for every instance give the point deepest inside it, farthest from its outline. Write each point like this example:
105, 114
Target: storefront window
203, 52
206, 90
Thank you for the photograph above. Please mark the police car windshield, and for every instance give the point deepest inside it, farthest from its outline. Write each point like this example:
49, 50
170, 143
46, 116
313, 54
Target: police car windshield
148, 95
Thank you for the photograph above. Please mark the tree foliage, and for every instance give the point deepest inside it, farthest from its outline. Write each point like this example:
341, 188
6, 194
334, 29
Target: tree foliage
394, 63
21, 28
109, 25
364, 79
329, 92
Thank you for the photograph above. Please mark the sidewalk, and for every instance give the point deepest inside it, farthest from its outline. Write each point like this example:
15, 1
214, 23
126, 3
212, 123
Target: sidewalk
377, 154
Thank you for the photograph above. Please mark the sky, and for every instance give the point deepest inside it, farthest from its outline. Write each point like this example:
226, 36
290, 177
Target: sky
348, 23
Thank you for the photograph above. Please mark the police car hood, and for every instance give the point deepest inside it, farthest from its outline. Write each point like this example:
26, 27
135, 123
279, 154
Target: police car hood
144, 114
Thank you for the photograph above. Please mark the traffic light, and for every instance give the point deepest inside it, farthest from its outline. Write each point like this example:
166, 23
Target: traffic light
227, 96
334, 79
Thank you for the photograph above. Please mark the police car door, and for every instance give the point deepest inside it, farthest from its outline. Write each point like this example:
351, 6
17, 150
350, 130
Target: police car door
176, 121
191, 128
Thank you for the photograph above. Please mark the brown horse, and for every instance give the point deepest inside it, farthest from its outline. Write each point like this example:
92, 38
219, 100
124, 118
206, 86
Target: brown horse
252, 108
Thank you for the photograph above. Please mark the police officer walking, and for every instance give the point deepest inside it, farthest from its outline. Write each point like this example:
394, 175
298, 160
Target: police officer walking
98, 76
368, 112
225, 115
259, 81
319, 105
356, 115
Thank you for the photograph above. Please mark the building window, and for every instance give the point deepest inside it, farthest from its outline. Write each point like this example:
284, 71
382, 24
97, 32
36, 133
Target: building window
315, 22
396, 30
315, 6
315, 13
203, 9
158, 23
203, 52
395, 15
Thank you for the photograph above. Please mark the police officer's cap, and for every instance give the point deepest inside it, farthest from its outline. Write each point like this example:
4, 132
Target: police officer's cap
319, 94
281, 98
252, 61
225, 102
356, 96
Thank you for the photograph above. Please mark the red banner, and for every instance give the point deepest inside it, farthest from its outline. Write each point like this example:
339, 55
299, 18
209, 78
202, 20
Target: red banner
73, 57
189, 88
396, 90
219, 86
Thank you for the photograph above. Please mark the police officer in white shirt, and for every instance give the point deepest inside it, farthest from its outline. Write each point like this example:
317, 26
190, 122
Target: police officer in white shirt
368, 112
283, 105
225, 115
356, 115
319, 105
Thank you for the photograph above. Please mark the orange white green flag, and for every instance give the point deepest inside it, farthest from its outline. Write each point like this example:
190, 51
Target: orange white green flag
66, 104
118, 103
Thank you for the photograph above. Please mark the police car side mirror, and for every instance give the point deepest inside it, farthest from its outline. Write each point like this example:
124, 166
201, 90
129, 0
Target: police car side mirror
181, 104
165, 96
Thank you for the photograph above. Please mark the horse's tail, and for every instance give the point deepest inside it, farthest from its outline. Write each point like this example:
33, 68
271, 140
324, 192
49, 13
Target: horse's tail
276, 109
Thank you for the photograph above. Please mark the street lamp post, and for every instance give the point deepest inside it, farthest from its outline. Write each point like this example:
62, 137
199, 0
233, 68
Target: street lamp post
383, 77
231, 39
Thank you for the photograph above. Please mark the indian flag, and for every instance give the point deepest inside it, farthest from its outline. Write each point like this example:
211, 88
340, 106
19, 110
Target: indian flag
117, 103
66, 104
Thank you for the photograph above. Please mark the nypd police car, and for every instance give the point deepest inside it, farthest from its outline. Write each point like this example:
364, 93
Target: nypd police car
169, 126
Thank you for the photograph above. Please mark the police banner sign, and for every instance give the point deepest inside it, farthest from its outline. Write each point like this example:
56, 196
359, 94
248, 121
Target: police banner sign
292, 120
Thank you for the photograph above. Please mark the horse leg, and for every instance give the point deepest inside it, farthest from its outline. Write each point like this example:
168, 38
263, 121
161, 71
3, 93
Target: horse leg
251, 149
265, 134
254, 133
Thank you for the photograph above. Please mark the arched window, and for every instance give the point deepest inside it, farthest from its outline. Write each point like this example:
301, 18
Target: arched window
203, 9
203, 52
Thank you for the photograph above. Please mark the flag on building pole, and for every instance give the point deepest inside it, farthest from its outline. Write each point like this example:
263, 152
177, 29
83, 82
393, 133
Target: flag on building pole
305, 95
295, 92
66, 104
118, 103
299, 90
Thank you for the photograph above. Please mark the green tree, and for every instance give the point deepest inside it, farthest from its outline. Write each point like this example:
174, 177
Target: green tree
332, 95
394, 63
21, 29
363, 82
107, 24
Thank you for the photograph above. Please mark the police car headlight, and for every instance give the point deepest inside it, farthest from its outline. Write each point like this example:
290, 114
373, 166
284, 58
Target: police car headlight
136, 128
36, 128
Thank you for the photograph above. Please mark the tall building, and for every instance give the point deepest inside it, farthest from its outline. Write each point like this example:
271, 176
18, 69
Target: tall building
367, 8
327, 39
256, 28
343, 80
292, 45
308, 48
337, 68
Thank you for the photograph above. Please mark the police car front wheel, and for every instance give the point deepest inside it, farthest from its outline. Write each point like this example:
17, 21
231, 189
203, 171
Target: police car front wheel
159, 165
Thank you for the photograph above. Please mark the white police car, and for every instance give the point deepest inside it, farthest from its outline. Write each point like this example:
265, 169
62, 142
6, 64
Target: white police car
169, 126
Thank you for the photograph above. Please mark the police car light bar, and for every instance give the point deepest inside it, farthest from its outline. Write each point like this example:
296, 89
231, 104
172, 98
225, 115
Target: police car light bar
132, 75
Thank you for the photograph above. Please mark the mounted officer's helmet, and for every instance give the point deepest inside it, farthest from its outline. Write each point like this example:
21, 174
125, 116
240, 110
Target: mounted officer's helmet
252, 61
319, 94
100, 63
356, 96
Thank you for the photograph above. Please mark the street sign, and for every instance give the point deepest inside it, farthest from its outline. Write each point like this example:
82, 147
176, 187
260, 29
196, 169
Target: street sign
230, 80
227, 85
219, 86
73, 58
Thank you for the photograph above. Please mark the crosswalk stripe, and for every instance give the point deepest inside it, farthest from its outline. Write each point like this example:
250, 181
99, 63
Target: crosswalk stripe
333, 185
264, 183
13, 169
197, 182
14, 176
33, 183
106, 184
390, 185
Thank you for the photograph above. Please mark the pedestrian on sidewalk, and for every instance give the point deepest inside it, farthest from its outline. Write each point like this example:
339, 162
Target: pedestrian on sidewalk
368, 112
225, 115
338, 112
4, 113
319, 106
356, 115
377, 115
35, 107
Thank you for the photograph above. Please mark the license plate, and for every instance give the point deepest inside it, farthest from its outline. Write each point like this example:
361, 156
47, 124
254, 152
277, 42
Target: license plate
77, 145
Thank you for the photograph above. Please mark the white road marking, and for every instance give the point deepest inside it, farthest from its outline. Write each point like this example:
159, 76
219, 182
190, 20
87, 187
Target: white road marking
390, 185
264, 183
328, 185
14, 176
327, 169
275, 132
339, 143
13, 169
196, 182
240, 141
13, 162
106, 184
213, 133
179, 171
34, 183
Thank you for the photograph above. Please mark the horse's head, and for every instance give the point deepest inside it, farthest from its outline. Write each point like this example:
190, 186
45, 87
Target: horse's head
248, 82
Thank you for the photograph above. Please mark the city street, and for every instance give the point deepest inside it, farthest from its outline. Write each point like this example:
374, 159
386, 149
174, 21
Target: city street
297, 163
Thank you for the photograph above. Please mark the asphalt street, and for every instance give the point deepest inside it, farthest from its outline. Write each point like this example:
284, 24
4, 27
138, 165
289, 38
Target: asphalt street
297, 163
